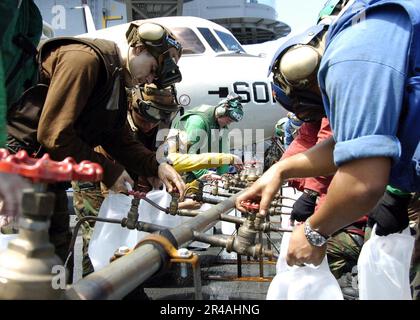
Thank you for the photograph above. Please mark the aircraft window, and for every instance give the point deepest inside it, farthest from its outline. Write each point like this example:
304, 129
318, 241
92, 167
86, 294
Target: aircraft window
191, 44
211, 39
230, 42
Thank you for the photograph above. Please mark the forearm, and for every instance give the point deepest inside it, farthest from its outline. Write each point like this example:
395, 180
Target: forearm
355, 189
317, 161
196, 162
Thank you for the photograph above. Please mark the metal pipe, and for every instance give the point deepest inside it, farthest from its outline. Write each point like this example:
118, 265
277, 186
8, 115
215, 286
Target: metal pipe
223, 217
218, 241
198, 290
238, 257
203, 221
149, 227
119, 278
237, 189
233, 219
212, 200
267, 219
224, 194
279, 229
188, 213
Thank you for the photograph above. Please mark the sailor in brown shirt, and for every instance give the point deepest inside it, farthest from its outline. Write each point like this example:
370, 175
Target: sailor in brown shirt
82, 104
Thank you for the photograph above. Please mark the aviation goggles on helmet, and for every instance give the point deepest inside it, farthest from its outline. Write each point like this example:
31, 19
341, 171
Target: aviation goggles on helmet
236, 114
307, 106
149, 111
158, 42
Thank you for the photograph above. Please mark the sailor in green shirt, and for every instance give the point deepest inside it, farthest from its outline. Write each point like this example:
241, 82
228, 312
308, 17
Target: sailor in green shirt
206, 129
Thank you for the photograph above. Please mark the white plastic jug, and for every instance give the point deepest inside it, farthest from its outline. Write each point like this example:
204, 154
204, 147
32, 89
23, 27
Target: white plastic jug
302, 283
108, 237
148, 213
281, 264
229, 228
383, 266
5, 239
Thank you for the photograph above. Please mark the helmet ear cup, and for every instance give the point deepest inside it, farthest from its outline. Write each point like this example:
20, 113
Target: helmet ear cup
221, 111
299, 64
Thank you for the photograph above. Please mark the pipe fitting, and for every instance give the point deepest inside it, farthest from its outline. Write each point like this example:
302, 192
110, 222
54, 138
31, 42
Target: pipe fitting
130, 222
26, 267
275, 211
173, 205
215, 188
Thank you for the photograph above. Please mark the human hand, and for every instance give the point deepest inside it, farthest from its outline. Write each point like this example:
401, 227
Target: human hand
189, 204
210, 176
120, 185
7, 220
11, 186
170, 177
301, 251
390, 214
155, 182
265, 188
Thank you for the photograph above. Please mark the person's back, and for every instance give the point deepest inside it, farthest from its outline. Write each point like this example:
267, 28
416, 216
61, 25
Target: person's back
19, 40
20, 32
393, 123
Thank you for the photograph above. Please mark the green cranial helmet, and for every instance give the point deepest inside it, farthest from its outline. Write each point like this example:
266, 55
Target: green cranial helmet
231, 106
331, 7
279, 127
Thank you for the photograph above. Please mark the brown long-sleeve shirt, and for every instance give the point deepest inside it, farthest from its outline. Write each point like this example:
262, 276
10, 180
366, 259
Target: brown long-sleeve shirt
67, 127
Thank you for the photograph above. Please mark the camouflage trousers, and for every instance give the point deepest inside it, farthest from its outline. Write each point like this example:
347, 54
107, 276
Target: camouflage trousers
415, 266
59, 231
414, 216
87, 200
343, 251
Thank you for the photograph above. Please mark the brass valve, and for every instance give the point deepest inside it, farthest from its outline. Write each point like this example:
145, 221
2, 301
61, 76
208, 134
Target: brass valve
215, 188
173, 205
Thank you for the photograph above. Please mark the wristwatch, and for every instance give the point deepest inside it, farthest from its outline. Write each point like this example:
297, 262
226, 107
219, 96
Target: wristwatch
314, 237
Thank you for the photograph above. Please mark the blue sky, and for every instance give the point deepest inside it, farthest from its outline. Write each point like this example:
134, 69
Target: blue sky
299, 14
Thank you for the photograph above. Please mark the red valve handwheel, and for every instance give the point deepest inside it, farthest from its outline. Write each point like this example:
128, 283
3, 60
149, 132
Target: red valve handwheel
46, 170
250, 206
